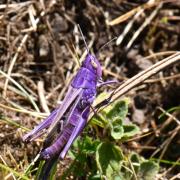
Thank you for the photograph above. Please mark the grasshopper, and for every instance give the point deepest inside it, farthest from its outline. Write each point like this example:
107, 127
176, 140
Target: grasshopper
67, 121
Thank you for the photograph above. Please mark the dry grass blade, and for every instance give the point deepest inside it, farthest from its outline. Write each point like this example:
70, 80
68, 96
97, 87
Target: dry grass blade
4, 162
19, 49
169, 169
176, 76
15, 5
28, 169
128, 27
168, 141
42, 97
13, 62
169, 115
177, 176
2, 166
157, 54
22, 89
142, 76
146, 22
35, 114
9, 121
129, 14
132, 168
32, 18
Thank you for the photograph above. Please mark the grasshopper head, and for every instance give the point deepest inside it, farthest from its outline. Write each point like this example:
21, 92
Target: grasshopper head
93, 65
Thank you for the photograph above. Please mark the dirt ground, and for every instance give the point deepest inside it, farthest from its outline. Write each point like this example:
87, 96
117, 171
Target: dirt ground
39, 45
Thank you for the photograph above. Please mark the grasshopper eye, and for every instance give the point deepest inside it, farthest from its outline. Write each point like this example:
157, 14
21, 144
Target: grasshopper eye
94, 64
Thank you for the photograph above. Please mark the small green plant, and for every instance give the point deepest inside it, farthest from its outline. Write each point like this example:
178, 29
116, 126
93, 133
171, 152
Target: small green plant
112, 119
101, 157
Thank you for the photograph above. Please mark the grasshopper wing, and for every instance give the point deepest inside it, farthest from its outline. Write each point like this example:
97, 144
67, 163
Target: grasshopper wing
53, 119
70, 101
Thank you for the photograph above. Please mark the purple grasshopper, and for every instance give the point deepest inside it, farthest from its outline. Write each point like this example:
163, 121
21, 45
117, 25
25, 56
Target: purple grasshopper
66, 122
78, 100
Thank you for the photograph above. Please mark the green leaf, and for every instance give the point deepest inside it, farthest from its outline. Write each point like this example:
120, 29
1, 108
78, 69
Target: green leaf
85, 145
82, 151
118, 110
109, 159
89, 145
116, 129
99, 120
148, 170
130, 130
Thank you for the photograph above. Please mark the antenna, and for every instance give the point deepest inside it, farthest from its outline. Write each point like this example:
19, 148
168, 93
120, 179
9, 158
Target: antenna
83, 38
106, 44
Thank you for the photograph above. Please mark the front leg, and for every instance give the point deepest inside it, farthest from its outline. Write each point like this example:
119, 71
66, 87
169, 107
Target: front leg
105, 101
107, 83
